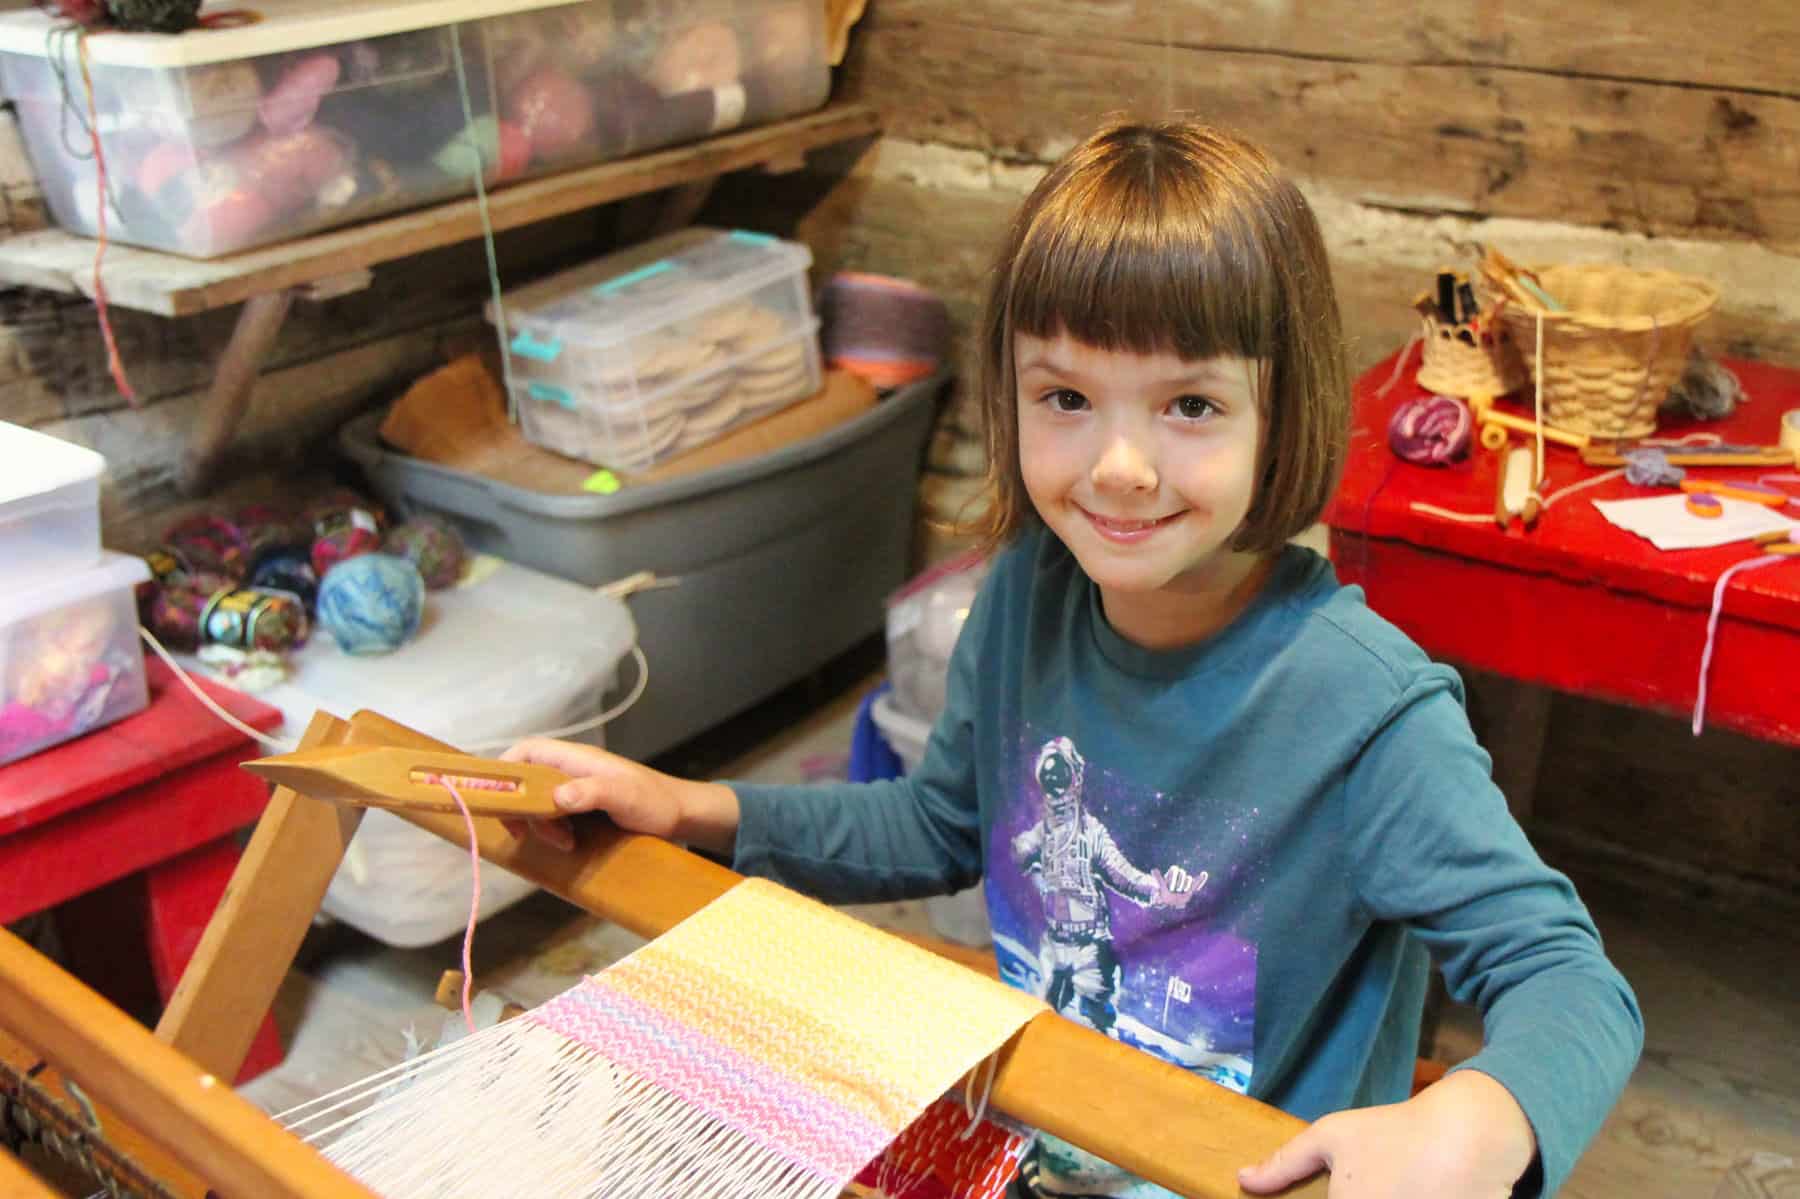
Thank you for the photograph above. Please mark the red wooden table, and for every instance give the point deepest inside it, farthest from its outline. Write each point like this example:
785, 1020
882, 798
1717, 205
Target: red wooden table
128, 829
1576, 604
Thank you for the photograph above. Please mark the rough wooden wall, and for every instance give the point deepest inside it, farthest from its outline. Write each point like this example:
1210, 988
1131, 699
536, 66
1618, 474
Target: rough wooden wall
1663, 133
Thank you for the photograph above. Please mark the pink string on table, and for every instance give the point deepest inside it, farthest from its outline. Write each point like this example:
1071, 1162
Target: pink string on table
1712, 628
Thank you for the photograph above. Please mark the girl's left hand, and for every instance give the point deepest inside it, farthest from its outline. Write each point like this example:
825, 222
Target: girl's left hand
1464, 1135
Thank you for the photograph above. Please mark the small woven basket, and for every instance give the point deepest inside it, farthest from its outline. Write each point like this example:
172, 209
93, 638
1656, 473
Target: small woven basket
1487, 364
1620, 342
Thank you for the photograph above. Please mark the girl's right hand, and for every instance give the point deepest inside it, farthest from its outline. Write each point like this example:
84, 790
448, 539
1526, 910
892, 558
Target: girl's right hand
639, 799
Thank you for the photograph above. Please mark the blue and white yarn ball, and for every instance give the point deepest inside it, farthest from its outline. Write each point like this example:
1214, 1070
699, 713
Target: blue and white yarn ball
372, 603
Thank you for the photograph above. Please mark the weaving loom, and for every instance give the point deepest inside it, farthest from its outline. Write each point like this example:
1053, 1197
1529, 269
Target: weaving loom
149, 1117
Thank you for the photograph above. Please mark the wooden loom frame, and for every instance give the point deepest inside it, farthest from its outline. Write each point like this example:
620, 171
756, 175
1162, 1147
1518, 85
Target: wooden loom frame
160, 1106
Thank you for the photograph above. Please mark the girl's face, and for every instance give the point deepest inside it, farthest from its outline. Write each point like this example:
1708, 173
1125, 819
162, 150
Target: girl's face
1145, 466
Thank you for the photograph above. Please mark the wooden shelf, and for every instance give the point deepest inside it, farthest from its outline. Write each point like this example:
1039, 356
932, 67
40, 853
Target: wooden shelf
171, 285
266, 281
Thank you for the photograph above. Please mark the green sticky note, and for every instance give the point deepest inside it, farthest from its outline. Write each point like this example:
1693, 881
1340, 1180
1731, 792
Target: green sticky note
602, 481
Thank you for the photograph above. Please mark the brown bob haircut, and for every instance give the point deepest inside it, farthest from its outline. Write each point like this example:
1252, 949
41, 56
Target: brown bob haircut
1175, 238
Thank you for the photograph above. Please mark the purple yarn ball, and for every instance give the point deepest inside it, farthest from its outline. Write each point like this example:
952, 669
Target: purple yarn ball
1433, 431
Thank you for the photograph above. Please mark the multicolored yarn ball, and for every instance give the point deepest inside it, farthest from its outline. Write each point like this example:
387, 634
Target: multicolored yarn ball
290, 571
372, 604
171, 608
340, 545
269, 529
430, 544
247, 619
340, 507
1433, 431
208, 542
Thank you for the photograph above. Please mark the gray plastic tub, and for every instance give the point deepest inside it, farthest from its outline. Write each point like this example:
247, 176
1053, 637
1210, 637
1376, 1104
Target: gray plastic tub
784, 561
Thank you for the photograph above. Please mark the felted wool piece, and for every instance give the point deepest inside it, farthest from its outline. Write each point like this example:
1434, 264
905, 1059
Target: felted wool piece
288, 107
372, 604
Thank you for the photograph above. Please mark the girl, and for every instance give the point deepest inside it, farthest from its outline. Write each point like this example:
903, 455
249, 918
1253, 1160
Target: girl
1224, 813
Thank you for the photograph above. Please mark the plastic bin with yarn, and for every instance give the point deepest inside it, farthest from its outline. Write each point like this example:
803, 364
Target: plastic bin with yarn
70, 659
1616, 346
319, 113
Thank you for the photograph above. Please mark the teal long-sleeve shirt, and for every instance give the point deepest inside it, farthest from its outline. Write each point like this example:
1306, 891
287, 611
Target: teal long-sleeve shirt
1238, 855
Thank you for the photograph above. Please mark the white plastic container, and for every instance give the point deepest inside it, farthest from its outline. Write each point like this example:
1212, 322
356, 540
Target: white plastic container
324, 112
49, 507
643, 354
508, 651
924, 619
963, 916
70, 660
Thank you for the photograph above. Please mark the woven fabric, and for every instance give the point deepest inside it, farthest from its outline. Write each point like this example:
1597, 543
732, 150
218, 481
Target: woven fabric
803, 1029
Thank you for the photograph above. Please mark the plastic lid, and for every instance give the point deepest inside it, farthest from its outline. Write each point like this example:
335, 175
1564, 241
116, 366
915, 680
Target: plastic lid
281, 25
32, 463
113, 572
649, 297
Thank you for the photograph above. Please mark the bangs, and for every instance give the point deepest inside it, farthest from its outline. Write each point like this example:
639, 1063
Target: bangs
1170, 268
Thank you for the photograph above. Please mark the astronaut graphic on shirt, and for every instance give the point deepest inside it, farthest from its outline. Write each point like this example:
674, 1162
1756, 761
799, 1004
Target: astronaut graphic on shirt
1074, 861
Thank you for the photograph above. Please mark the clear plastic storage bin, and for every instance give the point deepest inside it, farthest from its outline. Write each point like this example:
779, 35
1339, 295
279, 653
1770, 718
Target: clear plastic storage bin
644, 354
49, 507
325, 112
70, 661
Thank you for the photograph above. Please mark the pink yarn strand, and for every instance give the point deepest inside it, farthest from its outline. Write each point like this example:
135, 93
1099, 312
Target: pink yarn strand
468, 945
1712, 628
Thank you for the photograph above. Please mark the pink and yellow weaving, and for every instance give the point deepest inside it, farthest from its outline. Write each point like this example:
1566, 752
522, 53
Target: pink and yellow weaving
808, 1032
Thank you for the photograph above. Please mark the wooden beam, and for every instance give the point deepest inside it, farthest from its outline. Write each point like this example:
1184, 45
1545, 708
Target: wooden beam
206, 1125
250, 943
171, 285
222, 408
120, 1152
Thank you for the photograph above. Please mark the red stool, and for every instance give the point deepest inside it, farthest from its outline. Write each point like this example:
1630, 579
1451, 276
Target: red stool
126, 833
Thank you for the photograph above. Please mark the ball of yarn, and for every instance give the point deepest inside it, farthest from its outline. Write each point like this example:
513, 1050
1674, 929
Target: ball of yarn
1433, 431
889, 330
372, 603
1650, 467
289, 571
247, 619
431, 545
342, 506
342, 544
270, 530
210, 543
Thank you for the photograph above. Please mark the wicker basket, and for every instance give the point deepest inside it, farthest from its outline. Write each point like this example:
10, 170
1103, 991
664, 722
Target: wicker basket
1487, 364
1617, 347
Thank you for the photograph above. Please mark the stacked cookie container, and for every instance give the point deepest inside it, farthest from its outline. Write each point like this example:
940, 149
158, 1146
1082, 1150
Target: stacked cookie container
644, 354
